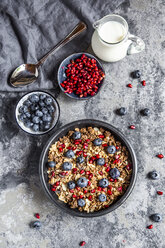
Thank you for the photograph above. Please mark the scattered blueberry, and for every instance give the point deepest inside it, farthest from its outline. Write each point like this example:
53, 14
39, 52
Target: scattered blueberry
41, 103
47, 118
145, 112
76, 135
66, 166
36, 119
48, 100
71, 185
154, 175
111, 149
20, 110
34, 107
102, 197
22, 117
36, 224
69, 154
44, 110
156, 217
27, 103
100, 161
51, 109
82, 182
81, 202
136, 74
34, 98
46, 126
121, 111
80, 160
114, 173
25, 109
38, 113
51, 164
35, 127
103, 183
28, 115
97, 142
42, 96
28, 124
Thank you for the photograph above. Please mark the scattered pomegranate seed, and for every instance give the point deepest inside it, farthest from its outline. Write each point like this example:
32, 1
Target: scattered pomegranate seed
90, 176
104, 145
159, 192
117, 156
116, 161
69, 148
93, 158
108, 169
144, 83
88, 172
85, 191
74, 148
129, 85
90, 197
57, 183
104, 189
97, 156
93, 191
82, 243
89, 183
99, 189
37, 215
111, 180
84, 153
160, 156
71, 191
101, 173
53, 173
105, 165
74, 196
66, 173
62, 174
109, 192
129, 166
74, 170
82, 171
110, 187
53, 189
81, 196
87, 140
62, 145
106, 206
78, 188
150, 226
132, 127
117, 147
115, 180
60, 149
101, 136
91, 161
120, 189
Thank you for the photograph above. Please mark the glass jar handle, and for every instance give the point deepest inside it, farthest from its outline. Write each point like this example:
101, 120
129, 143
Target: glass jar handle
137, 45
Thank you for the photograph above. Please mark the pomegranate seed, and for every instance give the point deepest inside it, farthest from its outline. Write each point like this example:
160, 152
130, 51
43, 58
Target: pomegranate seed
89, 183
105, 165
69, 148
57, 183
132, 127
115, 180
160, 156
129, 166
117, 147
74, 170
78, 188
159, 192
85, 155
117, 156
93, 158
109, 192
104, 189
101, 173
129, 85
90, 176
77, 142
82, 243
74, 196
111, 180
108, 169
82, 171
53, 173
150, 226
81, 196
104, 145
99, 189
88, 172
97, 156
60, 149
93, 191
62, 174
63, 145
37, 215
106, 206
101, 136
85, 191
90, 197
144, 83
71, 191
110, 187
88, 140
120, 189
91, 161
116, 161
74, 148
53, 189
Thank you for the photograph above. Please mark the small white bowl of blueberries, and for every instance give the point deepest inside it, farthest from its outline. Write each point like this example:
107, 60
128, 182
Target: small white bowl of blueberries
37, 112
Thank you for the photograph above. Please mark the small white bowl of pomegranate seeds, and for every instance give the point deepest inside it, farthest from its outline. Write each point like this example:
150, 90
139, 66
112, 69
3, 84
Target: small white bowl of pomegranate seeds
80, 76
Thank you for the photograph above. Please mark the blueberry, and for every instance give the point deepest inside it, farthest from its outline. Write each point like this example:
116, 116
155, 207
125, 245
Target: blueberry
97, 142
36, 119
28, 115
136, 74
48, 100
102, 197
22, 117
46, 126
51, 164
114, 173
103, 183
44, 111
41, 103
156, 217
34, 107
82, 182
71, 185
28, 124
154, 175
111, 149
34, 98
76, 135
25, 109
122, 111
51, 109
80, 160
38, 113
20, 110
69, 154
27, 103
145, 112
47, 118
42, 96
36, 224
35, 127
100, 161
66, 166
81, 202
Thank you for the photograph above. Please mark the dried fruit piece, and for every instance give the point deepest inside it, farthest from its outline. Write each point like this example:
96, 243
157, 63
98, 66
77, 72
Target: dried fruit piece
37, 215
150, 226
82, 243
132, 127
160, 156
159, 192
129, 85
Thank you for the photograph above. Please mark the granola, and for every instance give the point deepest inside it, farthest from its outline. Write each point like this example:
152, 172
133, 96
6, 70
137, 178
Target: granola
84, 162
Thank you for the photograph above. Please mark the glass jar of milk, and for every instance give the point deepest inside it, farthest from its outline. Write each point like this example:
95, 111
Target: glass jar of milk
111, 40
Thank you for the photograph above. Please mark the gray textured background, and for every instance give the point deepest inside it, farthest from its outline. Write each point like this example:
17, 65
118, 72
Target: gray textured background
21, 194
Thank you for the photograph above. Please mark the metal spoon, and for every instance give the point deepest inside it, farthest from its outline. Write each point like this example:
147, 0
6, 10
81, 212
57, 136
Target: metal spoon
28, 73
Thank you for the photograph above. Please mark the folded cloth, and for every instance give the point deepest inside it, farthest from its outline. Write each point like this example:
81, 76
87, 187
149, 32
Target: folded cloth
29, 29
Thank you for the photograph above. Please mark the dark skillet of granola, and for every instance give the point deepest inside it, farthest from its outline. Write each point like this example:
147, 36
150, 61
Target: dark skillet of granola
89, 169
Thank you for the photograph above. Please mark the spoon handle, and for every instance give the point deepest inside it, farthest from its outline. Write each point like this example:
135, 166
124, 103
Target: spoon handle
81, 26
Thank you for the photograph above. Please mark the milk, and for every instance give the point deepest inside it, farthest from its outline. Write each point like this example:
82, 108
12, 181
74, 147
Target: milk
112, 32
